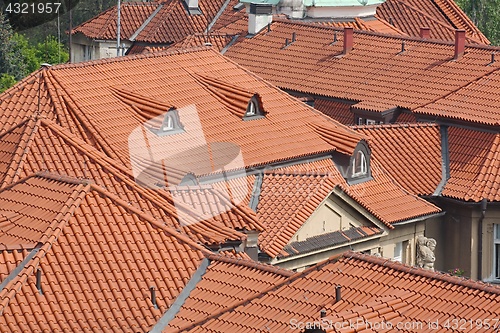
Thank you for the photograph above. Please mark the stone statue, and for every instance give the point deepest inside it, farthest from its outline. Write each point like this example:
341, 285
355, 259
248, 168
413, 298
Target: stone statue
425, 252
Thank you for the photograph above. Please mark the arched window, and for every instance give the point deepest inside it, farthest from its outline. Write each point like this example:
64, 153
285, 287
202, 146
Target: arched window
168, 123
359, 165
252, 109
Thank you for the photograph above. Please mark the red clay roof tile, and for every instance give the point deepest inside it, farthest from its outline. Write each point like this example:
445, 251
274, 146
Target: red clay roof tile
372, 290
87, 264
423, 74
402, 148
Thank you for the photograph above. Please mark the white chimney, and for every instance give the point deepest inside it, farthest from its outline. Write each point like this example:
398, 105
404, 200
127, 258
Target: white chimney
261, 14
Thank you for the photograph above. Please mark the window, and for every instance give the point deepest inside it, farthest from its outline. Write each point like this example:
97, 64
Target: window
398, 252
168, 123
87, 52
252, 109
496, 252
359, 166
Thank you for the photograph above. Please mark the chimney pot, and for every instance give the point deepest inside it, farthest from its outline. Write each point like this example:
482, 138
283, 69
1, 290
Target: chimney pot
294, 36
425, 32
348, 40
338, 295
459, 43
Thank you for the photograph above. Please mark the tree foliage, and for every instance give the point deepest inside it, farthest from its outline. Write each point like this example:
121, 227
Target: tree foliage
486, 16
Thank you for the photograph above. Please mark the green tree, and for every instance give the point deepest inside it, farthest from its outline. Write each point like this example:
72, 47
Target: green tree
51, 51
486, 16
11, 60
6, 81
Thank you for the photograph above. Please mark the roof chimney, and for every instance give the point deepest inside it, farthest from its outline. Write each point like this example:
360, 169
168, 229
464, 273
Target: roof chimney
459, 43
348, 39
260, 16
192, 4
425, 32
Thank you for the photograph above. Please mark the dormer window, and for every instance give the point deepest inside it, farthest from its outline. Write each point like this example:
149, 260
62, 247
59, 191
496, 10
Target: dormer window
170, 124
253, 109
359, 164
359, 167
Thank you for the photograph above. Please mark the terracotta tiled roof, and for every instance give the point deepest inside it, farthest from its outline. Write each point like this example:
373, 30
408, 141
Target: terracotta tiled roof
162, 22
225, 284
474, 165
330, 239
423, 74
97, 258
208, 202
104, 26
83, 99
290, 195
217, 41
373, 290
42, 145
475, 102
441, 16
411, 153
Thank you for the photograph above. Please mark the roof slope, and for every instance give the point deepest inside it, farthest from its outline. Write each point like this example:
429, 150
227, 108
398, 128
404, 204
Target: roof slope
43, 145
441, 16
373, 290
381, 81
474, 165
98, 260
83, 98
160, 22
104, 26
477, 101
411, 153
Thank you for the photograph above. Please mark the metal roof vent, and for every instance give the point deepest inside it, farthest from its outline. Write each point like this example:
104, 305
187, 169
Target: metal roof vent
338, 294
39, 281
153, 297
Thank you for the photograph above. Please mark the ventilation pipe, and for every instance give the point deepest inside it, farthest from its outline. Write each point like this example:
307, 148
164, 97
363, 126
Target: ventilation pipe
153, 296
338, 294
39, 281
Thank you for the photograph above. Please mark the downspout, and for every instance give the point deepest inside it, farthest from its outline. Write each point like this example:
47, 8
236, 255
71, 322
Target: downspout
484, 204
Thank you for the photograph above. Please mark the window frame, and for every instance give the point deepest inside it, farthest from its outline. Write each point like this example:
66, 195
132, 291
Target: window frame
496, 253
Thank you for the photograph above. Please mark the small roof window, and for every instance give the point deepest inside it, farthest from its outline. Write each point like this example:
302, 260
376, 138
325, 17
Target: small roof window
359, 164
170, 124
253, 109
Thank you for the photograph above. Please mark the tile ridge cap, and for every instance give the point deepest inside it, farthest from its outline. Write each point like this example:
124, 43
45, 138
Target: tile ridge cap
396, 125
435, 275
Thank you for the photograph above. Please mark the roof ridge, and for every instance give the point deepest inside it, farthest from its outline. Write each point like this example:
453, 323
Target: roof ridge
463, 17
445, 277
250, 264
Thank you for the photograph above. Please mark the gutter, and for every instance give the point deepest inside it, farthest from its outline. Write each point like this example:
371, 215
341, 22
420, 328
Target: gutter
445, 160
418, 219
484, 205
